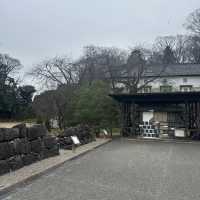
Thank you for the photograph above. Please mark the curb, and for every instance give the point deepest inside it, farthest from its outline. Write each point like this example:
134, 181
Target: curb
28, 180
89, 150
163, 140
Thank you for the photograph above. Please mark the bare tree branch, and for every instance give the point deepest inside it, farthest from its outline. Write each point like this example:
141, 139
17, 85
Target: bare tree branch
56, 71
193, 22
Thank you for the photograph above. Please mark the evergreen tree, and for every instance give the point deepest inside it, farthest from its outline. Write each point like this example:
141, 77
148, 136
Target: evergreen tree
168, 56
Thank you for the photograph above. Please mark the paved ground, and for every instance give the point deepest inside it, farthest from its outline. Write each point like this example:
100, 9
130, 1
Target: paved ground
18, 177
122, 170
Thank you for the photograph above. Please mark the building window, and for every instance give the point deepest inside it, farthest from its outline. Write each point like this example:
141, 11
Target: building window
164, 81
186, 88
184, 80
147, 89
166, 88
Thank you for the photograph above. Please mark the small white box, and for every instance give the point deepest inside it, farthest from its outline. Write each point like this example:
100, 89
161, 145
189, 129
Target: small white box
179, 133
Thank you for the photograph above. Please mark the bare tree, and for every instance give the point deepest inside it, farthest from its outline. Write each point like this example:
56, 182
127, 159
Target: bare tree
177, 45
101, 63
44, 105
8, 68
8, 64
89, 62
155, 58
160, 46
134, 80
117, 66
193, 22
180, 48
193, 49
111, 60
133, 72
162, 42
55, 104
56, 71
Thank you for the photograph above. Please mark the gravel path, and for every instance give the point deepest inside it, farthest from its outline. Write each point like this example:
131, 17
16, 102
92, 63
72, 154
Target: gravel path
122, 170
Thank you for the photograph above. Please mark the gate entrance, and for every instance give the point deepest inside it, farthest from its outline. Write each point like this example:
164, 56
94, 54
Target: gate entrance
174, 112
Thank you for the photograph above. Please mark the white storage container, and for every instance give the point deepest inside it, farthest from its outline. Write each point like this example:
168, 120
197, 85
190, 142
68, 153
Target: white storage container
179, 132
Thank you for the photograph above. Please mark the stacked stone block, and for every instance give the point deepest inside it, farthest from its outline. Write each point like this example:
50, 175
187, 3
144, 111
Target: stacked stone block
83, 132
20, 146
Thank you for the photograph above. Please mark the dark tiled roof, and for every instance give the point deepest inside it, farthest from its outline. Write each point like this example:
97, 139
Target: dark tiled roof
173, 70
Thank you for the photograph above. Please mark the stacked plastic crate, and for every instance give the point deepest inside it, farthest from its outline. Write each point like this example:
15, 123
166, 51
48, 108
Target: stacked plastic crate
148, 129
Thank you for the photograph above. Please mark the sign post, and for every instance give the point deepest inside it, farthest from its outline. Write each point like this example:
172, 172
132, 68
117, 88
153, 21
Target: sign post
75, 143
105, 133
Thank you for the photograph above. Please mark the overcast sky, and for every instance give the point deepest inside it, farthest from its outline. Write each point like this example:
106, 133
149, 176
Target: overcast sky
31, 30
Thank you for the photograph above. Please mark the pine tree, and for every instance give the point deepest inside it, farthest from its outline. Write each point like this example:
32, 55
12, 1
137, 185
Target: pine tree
168, 56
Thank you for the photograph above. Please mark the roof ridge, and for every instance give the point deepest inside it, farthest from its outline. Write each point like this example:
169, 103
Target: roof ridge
180, 64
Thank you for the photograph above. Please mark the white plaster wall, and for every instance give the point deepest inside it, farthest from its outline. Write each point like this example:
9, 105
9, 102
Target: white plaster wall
175, 82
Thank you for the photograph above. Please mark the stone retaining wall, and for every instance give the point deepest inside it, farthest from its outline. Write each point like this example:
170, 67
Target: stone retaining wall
20, 146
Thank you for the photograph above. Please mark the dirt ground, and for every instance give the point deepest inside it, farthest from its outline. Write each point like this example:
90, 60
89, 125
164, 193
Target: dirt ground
11, 124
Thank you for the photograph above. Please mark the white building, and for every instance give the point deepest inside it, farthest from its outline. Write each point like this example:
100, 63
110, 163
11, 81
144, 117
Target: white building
174, 78
171, 98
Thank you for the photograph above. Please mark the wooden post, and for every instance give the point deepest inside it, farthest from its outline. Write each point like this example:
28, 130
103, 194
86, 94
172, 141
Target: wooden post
187, 116
124, 118
73, 148
133, 118
198, 115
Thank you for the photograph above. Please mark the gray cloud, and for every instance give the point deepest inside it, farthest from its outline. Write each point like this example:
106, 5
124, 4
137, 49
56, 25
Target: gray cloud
35, 29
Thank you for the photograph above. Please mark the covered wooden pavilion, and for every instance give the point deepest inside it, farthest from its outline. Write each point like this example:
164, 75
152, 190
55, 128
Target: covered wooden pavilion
186, 104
